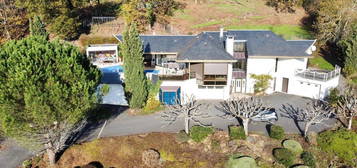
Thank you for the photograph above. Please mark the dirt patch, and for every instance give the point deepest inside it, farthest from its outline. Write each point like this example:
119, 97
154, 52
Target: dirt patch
127, 152
213, 152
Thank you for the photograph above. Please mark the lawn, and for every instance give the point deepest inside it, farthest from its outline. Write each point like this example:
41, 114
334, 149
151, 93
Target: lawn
321, 63
207, 24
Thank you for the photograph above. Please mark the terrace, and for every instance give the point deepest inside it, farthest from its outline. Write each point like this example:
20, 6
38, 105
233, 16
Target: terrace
319, 75
100, 54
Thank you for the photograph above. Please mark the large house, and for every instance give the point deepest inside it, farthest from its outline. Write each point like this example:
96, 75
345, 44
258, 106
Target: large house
220, 65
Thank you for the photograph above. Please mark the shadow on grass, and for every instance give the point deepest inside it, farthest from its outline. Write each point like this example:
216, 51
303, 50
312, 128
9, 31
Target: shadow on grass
332, 54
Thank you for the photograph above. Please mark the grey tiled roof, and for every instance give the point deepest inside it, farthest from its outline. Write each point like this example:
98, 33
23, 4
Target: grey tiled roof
205, 47
166, 44
301, 46
266, 43
209, 46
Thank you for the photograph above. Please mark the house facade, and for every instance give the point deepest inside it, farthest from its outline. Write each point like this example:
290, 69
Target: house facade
220, 65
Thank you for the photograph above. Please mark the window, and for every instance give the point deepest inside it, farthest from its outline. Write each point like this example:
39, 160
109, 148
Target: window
239, 47
276, 64
239, 65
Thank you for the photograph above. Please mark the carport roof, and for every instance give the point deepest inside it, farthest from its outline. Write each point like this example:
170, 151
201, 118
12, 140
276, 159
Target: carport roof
169, 88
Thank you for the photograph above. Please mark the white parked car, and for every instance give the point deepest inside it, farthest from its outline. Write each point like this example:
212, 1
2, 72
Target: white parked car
266, 115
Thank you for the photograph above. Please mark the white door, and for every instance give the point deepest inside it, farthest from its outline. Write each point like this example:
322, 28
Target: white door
238, 85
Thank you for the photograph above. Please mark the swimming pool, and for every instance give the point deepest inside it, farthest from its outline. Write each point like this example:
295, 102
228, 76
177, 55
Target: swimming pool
119, 69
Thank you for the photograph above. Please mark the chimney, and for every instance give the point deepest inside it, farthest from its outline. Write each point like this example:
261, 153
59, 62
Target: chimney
221, 32
230, 44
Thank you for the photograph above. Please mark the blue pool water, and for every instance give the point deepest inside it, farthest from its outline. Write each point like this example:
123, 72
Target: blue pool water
119, 68
111, 75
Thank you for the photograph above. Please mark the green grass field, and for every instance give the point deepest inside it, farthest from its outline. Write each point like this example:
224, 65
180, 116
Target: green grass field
207, 24
321, 63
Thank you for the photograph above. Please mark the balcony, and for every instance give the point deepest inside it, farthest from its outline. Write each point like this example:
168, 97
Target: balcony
174, 77
239, 55
172, 71
239, 74
319, 75
213, 80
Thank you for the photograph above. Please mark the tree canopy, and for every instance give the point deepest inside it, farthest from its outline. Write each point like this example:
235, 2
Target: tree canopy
349, 47
62, 16
46, 88
135, 81
148, 12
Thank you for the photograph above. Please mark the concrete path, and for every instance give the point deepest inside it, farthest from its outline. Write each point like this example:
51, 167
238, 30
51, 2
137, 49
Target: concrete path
13, 155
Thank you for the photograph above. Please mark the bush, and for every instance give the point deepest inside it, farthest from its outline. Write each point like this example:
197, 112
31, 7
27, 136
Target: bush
236, 132
284, 156
27, 164
105, 89
293, 146
152, 105
308, 159
276, 132
151, 158
167, 156
199, 133
182, 137
341, 143
241, 162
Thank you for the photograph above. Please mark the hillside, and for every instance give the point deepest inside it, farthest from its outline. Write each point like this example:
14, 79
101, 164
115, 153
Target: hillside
210, 15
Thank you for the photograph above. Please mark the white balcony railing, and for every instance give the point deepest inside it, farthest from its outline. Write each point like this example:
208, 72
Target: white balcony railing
320, 75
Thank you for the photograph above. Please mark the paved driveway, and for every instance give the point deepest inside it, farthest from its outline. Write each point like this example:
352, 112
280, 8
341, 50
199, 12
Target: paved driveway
125, 124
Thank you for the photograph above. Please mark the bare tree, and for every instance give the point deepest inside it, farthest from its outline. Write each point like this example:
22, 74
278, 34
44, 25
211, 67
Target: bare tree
59, 137
244, 109
315, 113
347, 106
189, 109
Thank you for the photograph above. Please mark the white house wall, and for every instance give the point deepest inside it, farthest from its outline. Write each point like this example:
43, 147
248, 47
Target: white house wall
312, 88
190, 87
286, 69
259, 66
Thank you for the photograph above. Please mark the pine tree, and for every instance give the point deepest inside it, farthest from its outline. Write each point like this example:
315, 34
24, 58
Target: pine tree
37, 28
135, 80
47, 90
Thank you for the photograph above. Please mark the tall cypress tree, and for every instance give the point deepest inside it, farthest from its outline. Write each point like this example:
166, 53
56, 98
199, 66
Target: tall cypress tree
37, 28
135, 81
